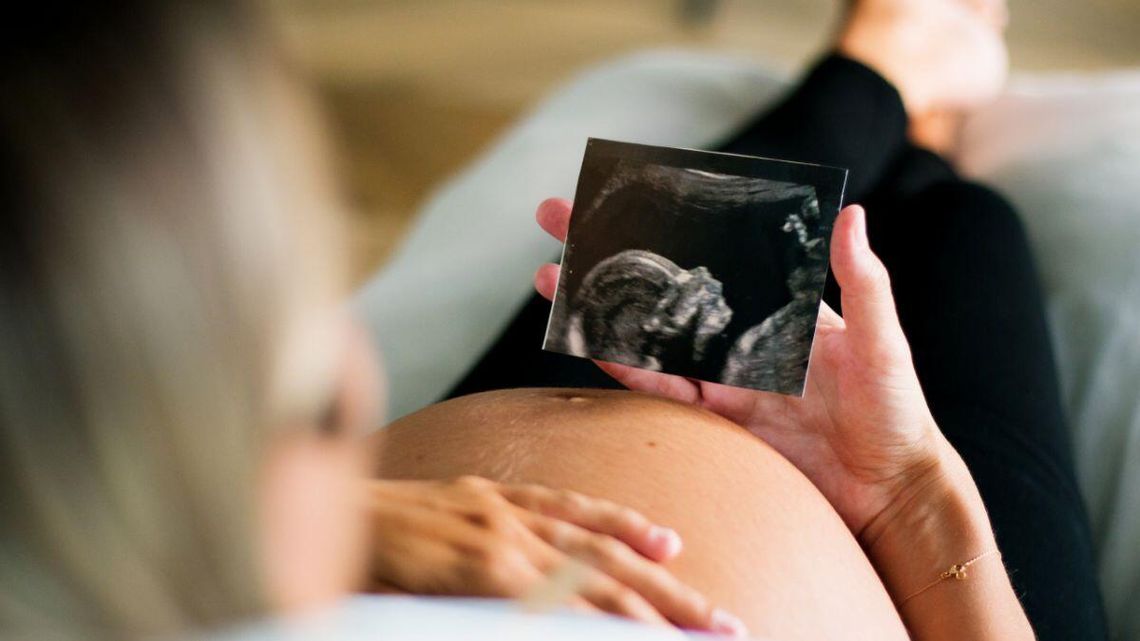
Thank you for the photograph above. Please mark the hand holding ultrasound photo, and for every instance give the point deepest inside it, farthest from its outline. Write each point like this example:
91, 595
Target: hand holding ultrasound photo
706, 265
862, 431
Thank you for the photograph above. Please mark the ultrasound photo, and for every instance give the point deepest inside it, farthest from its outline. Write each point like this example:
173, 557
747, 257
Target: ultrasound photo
701, 264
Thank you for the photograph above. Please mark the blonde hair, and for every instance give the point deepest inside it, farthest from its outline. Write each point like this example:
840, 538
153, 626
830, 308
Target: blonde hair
165, 278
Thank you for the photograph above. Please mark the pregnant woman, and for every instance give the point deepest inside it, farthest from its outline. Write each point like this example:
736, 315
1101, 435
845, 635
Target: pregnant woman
932, 419
180, 393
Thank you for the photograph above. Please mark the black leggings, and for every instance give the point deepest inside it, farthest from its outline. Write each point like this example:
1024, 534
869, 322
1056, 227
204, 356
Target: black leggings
970, 304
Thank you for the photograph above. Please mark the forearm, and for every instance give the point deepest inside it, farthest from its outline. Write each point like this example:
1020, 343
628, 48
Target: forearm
942, 524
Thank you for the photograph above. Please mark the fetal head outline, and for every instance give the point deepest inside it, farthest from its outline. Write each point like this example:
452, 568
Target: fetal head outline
639, 308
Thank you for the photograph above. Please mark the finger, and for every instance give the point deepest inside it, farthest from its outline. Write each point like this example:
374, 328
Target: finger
376, 585
865, 289
609, 595
571, 582
677, 602
560, 587
553, 216
546, 280
598, 515
642, 380
562, 582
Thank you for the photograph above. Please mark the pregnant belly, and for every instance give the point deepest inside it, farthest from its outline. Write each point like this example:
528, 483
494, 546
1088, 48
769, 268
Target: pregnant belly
759, 539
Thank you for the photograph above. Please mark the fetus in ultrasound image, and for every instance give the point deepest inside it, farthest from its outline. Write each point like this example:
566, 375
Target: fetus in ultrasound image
640, 308
706, 265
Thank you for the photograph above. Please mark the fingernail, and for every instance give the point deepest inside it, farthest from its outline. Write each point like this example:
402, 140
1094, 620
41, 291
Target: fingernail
667, 540
725, 623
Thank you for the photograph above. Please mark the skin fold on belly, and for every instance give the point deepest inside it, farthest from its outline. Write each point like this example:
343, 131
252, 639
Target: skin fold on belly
759, 538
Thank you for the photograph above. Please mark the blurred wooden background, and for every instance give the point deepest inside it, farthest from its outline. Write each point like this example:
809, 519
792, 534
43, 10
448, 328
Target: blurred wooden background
415, 88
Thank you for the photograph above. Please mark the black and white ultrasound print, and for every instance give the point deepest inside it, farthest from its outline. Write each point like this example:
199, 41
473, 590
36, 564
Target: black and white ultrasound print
706, 265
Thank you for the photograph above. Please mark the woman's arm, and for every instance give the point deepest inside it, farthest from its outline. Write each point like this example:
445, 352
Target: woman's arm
937, 556
864, 435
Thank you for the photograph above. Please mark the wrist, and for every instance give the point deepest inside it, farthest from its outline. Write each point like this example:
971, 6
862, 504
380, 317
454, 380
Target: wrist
939, 520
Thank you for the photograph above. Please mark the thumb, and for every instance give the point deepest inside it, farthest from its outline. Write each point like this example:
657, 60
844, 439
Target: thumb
865, 288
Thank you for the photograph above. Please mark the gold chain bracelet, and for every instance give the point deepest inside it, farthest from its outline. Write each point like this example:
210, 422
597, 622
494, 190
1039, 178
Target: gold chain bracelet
956, 572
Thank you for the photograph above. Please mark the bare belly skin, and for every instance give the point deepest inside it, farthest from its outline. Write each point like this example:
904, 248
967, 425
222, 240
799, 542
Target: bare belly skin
759, 538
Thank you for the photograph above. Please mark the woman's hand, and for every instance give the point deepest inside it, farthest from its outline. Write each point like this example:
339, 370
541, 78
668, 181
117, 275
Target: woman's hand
862, 432
475, 537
